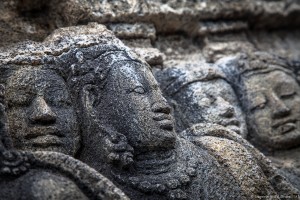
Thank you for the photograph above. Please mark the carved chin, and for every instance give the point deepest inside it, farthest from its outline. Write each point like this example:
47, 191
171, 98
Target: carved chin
235, 129
289, 137
169, 138
162, 139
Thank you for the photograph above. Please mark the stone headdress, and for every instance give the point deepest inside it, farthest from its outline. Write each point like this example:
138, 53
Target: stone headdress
245, 65
242, 66
80, 55
67, 46
180, 74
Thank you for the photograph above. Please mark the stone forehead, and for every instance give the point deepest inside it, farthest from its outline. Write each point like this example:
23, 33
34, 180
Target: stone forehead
270, 79
240, 67
35, 77
246, 65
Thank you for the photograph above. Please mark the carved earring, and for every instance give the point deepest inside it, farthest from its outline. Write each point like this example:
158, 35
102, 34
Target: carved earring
88, 98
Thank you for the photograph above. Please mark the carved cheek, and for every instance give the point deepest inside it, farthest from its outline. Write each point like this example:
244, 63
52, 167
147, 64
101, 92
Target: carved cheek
261, 119
66, 117
240, 115
140, 103
18, 122
17, 115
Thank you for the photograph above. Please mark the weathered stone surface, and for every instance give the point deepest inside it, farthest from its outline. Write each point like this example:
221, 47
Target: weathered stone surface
37, 114
49, 175
201, 94
23, 20
206, 105
76, 100
122, 106
268, 91
127, 129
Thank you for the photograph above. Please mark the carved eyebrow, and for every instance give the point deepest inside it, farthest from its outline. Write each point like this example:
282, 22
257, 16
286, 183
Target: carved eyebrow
18, 99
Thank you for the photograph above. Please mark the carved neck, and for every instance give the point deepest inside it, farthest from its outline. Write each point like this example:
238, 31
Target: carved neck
161, 172
155, 162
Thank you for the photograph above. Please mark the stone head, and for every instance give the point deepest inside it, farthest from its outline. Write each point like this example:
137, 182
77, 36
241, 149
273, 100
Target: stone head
201, 94
124, 96
40, 114
270, 97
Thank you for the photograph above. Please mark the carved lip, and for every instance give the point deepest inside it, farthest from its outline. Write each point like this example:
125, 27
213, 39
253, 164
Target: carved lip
233, 122
46, 141
36, 132
287, 127
162, 116
166, 124
234, 128
283, 122
165, 121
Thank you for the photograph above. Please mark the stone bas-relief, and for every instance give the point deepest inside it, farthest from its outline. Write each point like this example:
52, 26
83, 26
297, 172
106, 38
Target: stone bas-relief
201, 94
270, 98
269, 94
126, 126
122, 108
40, 113
163, 165
38, 117
207, 108
47, 175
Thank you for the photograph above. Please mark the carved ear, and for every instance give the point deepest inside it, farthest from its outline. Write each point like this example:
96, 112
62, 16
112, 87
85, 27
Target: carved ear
173, 104
2, 92
88, 98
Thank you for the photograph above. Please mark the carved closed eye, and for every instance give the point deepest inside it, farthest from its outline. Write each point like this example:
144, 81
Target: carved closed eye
139, 90
285, 90
19, 103
20, 100
257, 101
288, 93
207, 101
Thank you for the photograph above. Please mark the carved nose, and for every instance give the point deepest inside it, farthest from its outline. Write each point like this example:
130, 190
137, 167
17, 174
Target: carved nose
161, 108
279, 109
225, 109
42, 112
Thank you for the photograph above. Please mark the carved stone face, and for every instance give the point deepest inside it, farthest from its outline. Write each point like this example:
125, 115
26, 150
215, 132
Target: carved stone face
133, 104
211, 101
273, 109
40, 113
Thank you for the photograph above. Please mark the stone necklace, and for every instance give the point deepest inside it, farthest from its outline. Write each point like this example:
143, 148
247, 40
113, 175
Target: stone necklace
171, 183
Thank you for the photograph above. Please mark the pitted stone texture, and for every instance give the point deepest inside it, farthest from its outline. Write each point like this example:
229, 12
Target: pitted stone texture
129, 31
268, 90
127, 126
35, 20
128, 133
48, 175
36, 104
200, 93
57, 176
172, 16
202, 97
